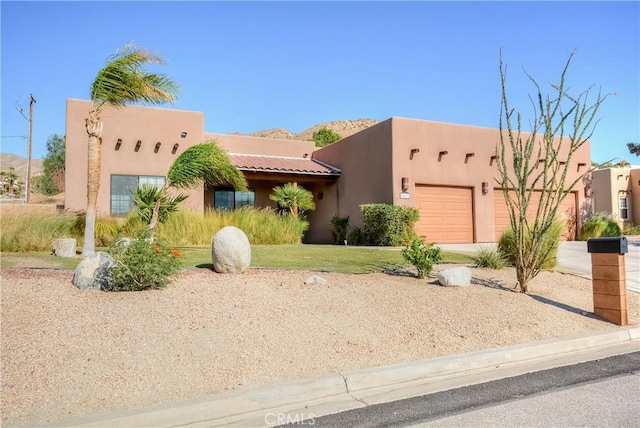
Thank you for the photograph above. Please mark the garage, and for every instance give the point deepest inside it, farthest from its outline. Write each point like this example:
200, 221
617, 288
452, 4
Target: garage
567, 208
446, 214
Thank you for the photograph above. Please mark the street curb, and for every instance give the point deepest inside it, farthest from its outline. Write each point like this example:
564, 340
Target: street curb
338, 392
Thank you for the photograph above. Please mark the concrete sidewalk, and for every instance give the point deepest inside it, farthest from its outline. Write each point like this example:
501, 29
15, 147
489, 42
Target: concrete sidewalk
334, 393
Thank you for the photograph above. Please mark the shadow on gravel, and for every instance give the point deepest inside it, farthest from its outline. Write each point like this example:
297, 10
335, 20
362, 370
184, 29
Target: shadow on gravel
491, 284
563, 306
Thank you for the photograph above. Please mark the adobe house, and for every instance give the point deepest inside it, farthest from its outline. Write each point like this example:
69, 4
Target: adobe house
613, 190
447, 171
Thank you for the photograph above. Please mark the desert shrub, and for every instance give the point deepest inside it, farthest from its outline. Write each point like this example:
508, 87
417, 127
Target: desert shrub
33, 230
106, 229
262, 226
356, 236
422, 256
599, 225
631, 230
489, 258
339, 229
142, 264
388, 225
547, 258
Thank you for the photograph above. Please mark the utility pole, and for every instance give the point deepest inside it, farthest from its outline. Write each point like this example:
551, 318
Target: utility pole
27, 186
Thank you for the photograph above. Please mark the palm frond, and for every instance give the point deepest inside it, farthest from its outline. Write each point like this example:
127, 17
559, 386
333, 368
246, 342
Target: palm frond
207, 164
125, 79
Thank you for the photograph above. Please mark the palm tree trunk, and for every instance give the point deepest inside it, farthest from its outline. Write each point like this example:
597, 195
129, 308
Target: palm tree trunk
94, 130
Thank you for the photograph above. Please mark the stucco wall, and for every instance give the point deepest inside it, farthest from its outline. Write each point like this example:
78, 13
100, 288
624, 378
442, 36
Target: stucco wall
365, 160
129, 124
635, 195
608, 183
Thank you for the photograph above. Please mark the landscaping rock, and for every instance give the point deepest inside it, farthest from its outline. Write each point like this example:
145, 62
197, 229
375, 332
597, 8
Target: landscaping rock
230, 251
315, 279
455, 277
64, 247
94, 272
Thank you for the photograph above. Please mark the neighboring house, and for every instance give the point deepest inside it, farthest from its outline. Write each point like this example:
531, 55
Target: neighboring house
447, 171
617, 191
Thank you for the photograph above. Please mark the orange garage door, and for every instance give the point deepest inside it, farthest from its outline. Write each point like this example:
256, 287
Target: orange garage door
566, 209
446, 214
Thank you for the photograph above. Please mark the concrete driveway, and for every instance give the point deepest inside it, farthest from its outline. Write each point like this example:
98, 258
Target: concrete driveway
573, 258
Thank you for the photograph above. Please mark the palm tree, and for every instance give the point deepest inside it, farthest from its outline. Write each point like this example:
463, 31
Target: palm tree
124, 79
293, 197
204, 163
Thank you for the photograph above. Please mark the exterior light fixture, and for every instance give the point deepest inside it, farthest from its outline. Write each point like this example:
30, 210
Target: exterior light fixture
485, 187
183, 134
320, 195
587, 192
405, 184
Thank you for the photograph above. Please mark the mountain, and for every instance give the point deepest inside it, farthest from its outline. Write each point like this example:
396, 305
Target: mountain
8, 160
344, 128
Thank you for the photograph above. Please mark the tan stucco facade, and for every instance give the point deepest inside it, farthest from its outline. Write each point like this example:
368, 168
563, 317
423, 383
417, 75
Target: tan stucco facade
609, 185
372, 163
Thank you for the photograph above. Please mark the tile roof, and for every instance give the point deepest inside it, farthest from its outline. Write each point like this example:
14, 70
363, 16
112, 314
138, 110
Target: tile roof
281, 164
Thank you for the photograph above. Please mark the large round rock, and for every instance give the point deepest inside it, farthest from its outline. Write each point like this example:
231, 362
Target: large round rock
230, 251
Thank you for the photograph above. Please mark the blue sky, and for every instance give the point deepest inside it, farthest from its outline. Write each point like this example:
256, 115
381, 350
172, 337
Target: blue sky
251, 66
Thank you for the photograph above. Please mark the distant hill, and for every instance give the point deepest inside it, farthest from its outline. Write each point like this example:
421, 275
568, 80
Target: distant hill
8, 160
344, 128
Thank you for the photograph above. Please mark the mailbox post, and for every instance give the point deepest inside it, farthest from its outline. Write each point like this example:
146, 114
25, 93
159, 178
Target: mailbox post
609, 278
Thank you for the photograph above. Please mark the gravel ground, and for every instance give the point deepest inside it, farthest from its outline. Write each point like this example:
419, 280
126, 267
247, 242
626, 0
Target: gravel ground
67, 352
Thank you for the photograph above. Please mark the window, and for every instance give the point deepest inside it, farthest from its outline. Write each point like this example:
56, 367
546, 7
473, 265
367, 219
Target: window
624, 207
229, 199
122, 188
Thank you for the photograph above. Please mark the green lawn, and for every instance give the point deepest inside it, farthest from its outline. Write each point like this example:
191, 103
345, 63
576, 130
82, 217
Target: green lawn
332, 258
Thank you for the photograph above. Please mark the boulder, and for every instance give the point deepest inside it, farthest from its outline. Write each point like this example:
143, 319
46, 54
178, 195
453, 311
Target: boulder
315, 279
64, 247
230, 251
455, 277
95, 272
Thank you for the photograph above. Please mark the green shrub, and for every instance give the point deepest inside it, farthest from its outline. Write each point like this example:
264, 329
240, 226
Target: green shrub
489, 258
145, 198
548, 257
142, 264
422, 256
339, 229
356, 236
388, 225
599, 225
325, 136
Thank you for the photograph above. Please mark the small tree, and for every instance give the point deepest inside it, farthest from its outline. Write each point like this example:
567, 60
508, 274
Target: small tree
634, 148
561, 122
204, 163
52, 179
294, 198
124, 79
325, 136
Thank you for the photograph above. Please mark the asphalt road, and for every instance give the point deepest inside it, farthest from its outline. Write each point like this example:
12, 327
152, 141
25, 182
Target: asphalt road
597, 393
